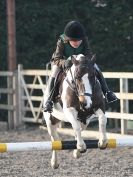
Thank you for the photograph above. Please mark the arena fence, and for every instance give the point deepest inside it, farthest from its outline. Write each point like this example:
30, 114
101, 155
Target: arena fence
23, 91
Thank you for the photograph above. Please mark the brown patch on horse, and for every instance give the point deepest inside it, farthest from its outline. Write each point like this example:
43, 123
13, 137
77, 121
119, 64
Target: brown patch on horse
72, 99
97, 97
54, 121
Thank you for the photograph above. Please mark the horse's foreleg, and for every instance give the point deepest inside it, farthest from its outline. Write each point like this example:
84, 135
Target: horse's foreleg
71, 115
102, 128
76, 152
54, 136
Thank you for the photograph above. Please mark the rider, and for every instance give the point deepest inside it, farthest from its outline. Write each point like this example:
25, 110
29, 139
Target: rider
72, 42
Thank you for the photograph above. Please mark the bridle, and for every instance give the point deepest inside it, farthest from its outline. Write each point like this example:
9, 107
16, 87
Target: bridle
73, 86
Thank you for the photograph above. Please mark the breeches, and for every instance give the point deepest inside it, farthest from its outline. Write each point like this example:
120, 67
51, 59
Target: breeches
55, 71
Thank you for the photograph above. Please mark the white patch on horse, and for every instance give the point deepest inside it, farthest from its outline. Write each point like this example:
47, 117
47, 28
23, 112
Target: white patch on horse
88, 89
79, 56
58, 112
102, 127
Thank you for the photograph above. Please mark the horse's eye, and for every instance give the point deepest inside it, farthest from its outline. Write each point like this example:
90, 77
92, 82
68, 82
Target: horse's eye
79, 79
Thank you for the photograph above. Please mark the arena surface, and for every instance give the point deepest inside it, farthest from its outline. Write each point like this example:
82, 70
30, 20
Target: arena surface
94, 163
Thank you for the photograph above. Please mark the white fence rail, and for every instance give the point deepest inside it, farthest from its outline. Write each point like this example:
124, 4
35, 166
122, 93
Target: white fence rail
124, 97
25, 89
9, 97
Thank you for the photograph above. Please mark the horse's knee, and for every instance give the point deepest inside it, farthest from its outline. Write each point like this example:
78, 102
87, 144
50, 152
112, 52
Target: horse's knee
76, 125
103, 120
102, 117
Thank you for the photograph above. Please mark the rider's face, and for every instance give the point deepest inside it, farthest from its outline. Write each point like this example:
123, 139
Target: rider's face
75, 44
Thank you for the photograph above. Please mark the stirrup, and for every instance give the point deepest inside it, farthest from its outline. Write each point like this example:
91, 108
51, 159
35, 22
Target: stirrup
48, 106
110, 97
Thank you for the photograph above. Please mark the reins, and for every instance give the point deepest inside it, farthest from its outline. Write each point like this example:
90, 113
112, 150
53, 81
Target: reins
73, 80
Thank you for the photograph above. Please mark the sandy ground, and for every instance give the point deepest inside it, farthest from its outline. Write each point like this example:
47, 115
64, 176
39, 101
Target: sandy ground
94, 163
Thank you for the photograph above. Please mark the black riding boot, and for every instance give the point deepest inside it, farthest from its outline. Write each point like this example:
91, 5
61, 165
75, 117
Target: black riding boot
109, 95
49, 103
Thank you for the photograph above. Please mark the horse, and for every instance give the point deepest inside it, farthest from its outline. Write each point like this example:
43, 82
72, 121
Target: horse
81, 99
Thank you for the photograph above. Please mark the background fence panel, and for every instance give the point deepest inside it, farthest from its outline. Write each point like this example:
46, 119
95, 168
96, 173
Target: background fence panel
25, 88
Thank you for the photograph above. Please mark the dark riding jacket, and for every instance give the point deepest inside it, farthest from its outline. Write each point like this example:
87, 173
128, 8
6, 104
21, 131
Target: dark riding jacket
65, 50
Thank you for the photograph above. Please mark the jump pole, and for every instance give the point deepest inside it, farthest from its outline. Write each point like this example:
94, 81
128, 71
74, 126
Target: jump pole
61, 145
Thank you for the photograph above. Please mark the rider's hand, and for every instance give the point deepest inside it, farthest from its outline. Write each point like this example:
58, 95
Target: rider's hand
67, 64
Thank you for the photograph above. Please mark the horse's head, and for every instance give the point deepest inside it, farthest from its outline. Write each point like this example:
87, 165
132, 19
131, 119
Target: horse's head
83, 72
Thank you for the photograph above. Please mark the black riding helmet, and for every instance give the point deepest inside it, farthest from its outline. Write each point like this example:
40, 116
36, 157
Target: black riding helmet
74, 30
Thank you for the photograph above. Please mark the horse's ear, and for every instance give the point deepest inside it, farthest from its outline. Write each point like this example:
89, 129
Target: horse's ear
93, 59
73, 59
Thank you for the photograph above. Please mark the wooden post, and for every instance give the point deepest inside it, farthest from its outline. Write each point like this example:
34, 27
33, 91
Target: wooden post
124, 104
15, 99
10, 103
20, 92
12, 63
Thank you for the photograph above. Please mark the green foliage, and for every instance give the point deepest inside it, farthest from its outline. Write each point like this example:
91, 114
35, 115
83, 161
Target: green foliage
39, 23
3, 36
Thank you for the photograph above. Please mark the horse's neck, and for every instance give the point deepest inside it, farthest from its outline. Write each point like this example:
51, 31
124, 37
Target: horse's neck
70, 74
67, 79
96, 87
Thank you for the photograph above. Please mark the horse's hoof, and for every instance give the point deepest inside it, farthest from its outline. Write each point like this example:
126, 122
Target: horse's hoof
102, 144
54, 165
83, 151
82, 148
76, 154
